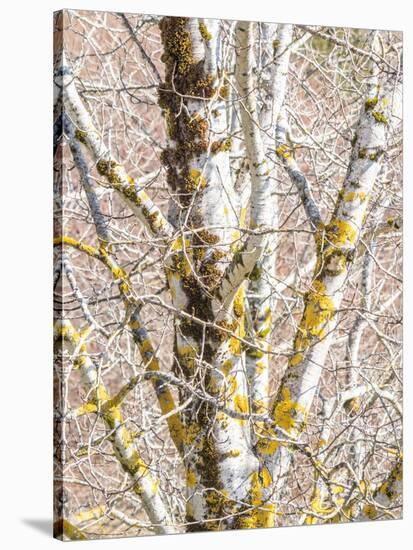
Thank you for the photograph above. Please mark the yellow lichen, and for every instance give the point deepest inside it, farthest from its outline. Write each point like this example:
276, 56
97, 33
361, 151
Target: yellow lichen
233, 453
318, 506
206, 35
380, 117
238, 304
337, 489
87, 408
231, 385
371, 103
318, 312
287, 412
235, 346
284, 151
179, 244
134, 324
227, 366
370, 511
190, 479
224, 91
266, 477
218, 505
241, 403
93, 513
257, 353
221, 146
260, 367
296, 359
262, 513
195, 180
349, 196
64, 527
363, 487
191, 432
340, 232
266, 446
185, 351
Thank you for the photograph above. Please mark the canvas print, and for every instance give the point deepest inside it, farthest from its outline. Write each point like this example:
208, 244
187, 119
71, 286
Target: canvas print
227, 275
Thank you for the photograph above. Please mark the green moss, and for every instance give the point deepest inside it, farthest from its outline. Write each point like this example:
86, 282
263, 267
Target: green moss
221, 146
224, 91
153, 220
190, 136
380, 117
238, 305
335, 262
103, 166
264, 332
391, 222
203, 240
206, 35
255, 273
371, 103
177, 41
201, 87
256, 353
109, 168
81, 135
195, 181
352, 406
130, 193
209, 270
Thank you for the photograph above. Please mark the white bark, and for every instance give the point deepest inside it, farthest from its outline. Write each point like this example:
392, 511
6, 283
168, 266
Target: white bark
136, 198
337, 243
128, 456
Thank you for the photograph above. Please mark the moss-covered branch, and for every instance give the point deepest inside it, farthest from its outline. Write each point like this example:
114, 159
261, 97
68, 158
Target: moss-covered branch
139, 333
107, 166
129, 457
64, 528
336, 245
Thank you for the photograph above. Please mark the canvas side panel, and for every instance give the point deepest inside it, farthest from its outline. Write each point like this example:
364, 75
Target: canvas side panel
58, 366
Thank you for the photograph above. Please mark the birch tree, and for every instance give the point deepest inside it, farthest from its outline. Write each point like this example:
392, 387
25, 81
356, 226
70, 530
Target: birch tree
227, 275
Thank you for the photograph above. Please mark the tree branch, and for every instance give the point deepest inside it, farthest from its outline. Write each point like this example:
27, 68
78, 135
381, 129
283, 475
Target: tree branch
136, 198
144, 485
63, 527
139, 334
240, 267
336, 244
286, 154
